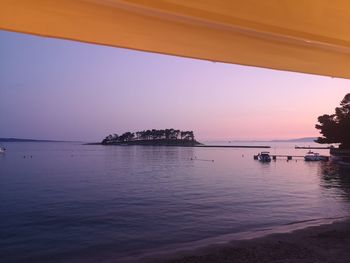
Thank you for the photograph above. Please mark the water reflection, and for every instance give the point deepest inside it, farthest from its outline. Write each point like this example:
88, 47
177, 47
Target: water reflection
70, 198
335, 179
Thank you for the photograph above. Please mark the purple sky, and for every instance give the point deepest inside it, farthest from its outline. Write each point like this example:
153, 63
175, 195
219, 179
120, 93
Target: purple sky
59, 89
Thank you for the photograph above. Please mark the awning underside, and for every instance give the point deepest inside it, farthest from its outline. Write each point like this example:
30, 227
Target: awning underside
304, 36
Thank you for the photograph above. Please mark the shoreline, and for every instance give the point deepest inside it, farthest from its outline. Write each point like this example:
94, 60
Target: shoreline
319, 240
183, 145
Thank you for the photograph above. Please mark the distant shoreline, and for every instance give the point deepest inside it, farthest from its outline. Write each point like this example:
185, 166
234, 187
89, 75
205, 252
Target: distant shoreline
27, 140
156, 142
174, 143
234, 146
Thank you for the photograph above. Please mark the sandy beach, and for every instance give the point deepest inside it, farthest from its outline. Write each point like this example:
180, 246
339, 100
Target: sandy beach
324, 243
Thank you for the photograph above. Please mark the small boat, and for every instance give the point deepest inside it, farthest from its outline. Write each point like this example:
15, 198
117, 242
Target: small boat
264, 157
2, 149
312, 156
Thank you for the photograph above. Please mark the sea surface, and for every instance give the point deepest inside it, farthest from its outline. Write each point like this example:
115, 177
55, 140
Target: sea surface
68, 202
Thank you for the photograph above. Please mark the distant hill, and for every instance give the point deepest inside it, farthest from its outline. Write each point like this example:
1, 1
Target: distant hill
25, 140
305, 139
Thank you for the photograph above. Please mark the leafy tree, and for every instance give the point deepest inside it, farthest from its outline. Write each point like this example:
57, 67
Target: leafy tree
176, 134
335, 128
182, 134
167, 134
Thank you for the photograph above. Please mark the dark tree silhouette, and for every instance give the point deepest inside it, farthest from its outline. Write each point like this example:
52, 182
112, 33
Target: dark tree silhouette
168, 135
335, 128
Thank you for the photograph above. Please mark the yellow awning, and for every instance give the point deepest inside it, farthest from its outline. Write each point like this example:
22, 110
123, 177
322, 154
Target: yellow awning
311, 36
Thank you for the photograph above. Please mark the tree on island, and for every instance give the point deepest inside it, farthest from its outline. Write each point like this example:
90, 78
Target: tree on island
335, 128
167, 135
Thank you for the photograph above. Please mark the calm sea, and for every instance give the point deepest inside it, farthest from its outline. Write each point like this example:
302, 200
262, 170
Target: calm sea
67, 202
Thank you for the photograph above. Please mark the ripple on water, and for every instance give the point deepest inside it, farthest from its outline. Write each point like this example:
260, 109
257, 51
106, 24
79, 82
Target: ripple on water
71, 199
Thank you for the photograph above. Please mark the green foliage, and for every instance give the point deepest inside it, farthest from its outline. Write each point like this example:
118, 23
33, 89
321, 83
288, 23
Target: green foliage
335, 128
150, 135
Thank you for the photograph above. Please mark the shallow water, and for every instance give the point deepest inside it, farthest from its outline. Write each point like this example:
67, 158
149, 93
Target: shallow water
71, 202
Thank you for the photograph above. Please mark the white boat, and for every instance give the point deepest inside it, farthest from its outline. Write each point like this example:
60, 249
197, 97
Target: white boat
312, 156
264, 157
2, 150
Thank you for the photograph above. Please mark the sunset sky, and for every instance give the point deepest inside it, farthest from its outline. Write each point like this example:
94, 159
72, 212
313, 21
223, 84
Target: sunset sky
65, 90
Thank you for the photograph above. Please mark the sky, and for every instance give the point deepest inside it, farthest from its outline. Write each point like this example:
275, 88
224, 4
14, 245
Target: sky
66, 90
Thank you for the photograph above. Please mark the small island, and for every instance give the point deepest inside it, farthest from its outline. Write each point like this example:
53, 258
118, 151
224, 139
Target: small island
166, 137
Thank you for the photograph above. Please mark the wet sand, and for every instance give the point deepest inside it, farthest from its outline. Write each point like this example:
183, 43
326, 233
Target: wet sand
324, 243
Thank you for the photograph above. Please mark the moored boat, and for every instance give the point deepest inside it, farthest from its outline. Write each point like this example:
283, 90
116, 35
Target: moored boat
2, 150
340, 156
264, 157
313, 156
